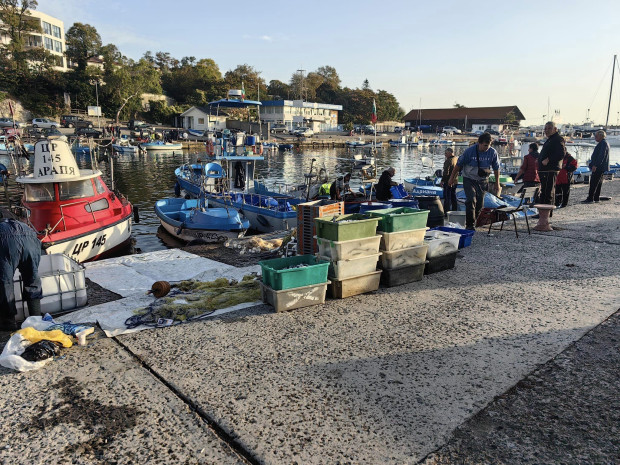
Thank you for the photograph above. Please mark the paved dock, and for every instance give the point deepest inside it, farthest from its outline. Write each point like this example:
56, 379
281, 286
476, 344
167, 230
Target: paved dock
485, 363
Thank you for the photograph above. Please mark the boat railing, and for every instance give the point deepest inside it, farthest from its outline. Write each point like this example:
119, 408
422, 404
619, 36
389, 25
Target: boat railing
62, 214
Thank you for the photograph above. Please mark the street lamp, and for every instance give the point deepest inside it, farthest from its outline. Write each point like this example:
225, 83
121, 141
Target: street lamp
96, 82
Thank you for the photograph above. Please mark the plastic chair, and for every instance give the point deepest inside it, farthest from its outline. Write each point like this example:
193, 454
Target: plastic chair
527, 194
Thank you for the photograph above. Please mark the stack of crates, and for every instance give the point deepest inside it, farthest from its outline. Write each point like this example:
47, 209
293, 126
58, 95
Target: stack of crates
351, 245
402, 244
294, 282
442, 249
306, 213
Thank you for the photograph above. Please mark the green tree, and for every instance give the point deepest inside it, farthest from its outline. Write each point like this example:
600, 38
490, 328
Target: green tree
15, 25
250, 78
278, 90
83, 42
194, 84
388, 108
458, 105
330, 76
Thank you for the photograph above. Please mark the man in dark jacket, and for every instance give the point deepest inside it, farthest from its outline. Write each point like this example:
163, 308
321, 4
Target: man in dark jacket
385, 183
599, 163
550, 162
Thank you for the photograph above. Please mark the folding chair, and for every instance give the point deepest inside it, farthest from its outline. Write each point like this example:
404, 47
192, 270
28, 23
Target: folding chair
527, 194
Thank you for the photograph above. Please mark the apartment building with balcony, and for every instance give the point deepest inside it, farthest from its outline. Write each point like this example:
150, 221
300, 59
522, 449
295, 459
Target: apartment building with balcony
51, 37
318, 116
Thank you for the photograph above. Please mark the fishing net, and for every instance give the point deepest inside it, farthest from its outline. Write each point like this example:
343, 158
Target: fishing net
192, 300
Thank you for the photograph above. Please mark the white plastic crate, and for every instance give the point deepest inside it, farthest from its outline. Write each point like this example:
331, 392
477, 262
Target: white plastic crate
343, 269
402, 239
441, 243
342, 250
63, 284
404, 257
457, 217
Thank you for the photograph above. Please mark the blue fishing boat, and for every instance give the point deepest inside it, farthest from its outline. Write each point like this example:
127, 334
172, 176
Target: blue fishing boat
193, 219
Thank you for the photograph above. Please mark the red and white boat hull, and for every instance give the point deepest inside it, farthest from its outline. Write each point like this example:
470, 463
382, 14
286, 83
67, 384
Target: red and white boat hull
94, 244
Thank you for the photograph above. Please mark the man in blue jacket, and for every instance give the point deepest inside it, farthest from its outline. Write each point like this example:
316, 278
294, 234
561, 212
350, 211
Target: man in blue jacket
599, 163
550, 162
476, 163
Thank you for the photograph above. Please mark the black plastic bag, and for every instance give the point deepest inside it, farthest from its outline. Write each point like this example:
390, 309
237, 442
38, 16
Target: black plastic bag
41, 350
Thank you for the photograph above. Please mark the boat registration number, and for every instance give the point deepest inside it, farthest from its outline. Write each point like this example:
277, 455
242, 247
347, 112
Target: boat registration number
96, 242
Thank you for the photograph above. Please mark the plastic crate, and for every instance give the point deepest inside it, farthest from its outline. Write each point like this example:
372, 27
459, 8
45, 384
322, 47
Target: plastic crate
349, 268
441, 243
278, 275
402, 239
306, 229
340, 289
440, 263
403, 257
346, 227
457, 217
403, 275
342, 250
297, 297
400, 219
466, 235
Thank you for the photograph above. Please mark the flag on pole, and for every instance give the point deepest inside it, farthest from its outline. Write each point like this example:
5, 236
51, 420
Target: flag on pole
242, 91
373, 118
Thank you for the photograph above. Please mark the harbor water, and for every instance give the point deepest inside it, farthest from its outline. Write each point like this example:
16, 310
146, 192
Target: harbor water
146, 178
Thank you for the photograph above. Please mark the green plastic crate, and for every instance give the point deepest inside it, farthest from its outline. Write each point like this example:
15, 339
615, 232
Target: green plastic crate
346, 227
278, 277
400, 219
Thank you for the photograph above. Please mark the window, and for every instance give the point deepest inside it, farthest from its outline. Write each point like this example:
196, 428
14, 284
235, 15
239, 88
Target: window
49, 43
75, 189
201, 121
39, 192
56, 32
101, 204
99, 186
57, 46
47, 28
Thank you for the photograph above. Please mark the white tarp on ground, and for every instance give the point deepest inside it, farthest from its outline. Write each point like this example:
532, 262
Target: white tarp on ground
132, 276
135, 274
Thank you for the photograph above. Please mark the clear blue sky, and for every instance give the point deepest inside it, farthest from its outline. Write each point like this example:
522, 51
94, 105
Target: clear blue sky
534, 54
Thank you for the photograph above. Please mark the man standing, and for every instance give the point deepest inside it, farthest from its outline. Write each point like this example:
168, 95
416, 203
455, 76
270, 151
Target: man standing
476, 163
385, 183
550, 162
449, 192
339, 187
599, 163
19, 248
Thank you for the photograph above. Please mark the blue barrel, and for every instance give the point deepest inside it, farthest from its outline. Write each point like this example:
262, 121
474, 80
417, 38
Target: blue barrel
250, 140
368, 206
409, 203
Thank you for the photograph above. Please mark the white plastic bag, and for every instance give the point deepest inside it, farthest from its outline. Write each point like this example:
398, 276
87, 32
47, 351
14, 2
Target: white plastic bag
11, 355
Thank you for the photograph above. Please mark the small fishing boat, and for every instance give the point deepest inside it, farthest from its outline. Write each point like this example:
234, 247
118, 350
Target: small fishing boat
124, 147
196, 132
192, 219
161, 145
441, 142
72, 210
285, 147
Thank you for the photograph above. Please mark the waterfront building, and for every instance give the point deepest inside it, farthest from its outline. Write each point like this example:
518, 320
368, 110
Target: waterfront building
51, 37
466, 119
198, 118
319, 117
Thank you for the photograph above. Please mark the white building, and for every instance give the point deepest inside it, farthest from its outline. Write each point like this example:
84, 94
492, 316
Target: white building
317, 116
51, 37
198, 118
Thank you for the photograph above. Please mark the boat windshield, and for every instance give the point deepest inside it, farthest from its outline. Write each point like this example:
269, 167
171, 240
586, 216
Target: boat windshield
75, 189
99, 186
39, 192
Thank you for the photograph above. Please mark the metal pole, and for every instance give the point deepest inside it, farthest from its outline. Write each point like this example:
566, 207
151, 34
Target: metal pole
97, 97
613, 69
112, 172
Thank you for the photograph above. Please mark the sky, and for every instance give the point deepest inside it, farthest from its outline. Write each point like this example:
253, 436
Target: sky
543, 56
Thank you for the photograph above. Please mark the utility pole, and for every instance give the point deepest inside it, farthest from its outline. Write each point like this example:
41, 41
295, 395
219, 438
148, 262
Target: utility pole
301, 83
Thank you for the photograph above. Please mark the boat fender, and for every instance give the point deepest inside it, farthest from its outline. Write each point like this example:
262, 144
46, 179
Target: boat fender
160, 288
136, 214
262, 220
178, 231
210, 148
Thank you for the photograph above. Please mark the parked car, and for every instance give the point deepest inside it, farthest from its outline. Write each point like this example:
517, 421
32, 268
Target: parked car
137, 124
88, 132
44, 123
493, 132
278, 128
74, 121
303, 132
451, 129
8, 123
398, 129
477, 133
146, 130
368, 129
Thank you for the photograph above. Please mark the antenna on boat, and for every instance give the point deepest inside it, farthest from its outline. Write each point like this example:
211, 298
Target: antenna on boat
611, 88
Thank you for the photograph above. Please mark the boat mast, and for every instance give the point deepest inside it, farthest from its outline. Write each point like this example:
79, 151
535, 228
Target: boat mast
613, 69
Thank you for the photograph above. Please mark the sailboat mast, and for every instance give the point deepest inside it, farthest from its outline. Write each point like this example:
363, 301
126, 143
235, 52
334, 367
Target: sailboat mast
613, 69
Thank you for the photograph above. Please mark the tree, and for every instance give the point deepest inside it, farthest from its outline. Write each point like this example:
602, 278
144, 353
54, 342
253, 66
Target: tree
15, 25
163, 60
194, 84
365, 85
330, 76
388, 108
278, 90
458, 105
83, 42
249, 77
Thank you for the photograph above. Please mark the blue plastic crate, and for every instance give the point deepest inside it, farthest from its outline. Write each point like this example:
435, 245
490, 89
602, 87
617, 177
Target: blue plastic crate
466, 235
